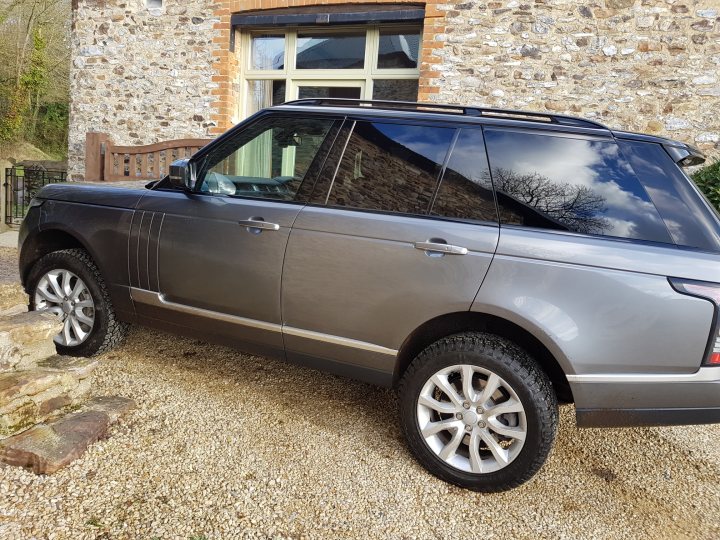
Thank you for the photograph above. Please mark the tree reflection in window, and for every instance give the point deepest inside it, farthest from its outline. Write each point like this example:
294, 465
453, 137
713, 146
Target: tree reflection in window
570, 183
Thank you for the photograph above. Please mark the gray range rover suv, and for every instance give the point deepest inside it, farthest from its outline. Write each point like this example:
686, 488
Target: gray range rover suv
488, 263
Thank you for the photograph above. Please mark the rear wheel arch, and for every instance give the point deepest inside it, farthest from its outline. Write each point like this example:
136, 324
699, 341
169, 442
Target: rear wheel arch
469, 321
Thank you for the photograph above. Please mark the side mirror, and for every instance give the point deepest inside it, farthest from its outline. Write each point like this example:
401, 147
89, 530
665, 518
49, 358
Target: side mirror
182, 174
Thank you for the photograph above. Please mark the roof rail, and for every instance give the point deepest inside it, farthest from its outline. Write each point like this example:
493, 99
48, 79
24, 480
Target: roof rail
529, 116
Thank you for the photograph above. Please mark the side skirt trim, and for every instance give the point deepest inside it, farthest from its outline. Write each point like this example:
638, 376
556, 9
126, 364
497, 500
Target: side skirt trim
704, 374
156, 299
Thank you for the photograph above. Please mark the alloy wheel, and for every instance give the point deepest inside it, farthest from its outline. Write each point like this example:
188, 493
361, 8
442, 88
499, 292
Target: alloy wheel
471, 418
64, 294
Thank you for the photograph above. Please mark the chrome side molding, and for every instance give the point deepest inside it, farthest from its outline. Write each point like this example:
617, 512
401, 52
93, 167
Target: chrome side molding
153, 298
704, 374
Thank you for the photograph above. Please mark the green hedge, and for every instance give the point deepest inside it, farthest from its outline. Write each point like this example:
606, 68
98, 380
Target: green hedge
708, 180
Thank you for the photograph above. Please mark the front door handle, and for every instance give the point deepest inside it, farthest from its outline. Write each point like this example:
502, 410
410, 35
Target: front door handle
440, 248
256, 225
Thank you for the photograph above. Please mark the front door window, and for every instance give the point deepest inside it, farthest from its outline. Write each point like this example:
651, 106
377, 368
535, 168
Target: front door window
268, 160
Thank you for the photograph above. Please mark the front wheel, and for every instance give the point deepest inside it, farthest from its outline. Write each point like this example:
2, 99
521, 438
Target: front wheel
68, 284
478, 412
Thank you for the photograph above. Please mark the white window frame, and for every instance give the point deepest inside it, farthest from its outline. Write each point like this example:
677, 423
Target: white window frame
294, 78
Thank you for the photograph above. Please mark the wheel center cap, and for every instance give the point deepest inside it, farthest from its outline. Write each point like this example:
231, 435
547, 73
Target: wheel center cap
67, 307
469, 417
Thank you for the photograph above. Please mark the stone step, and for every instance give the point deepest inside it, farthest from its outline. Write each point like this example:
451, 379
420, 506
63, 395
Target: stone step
48, 447
31, 396
27, 338
11, 295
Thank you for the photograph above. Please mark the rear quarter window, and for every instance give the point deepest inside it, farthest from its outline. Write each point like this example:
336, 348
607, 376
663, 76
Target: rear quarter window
689, 220
570, 183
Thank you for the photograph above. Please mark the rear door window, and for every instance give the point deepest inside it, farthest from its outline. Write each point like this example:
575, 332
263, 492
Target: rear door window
570, 183
690, 222
389, 167
465, 191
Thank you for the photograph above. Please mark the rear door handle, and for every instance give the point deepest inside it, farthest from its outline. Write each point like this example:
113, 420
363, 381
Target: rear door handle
441, 248
259, 224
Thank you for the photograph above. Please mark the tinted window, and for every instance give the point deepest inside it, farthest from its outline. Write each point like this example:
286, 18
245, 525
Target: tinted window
269, 159
572, 184
390, 167
466, 189
688, 219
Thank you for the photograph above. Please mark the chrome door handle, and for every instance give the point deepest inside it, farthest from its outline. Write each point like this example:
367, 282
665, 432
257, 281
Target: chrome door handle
259, 224
444, 249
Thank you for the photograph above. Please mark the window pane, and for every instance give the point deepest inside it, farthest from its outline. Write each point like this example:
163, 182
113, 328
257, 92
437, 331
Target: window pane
466, 188
570, 184
331, 51
398, 49
268, 52
689, 221
395, 90
390, 167
345, 92
265, 94
268, 160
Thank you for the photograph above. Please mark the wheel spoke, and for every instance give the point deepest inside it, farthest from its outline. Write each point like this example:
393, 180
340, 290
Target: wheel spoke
501, 455
451, 447
506, 407
81, 317
467, 382
77, 329
433, 428
506, 431
66, 289
443, 407
77, 290
84, 304
475, 460
47, 295
66, 332
443, 384
491, 386
53, 280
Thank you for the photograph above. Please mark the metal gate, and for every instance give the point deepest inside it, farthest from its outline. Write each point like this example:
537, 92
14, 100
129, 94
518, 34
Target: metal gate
22, 184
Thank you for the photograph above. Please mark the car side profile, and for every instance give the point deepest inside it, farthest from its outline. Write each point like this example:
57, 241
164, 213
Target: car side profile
490, 264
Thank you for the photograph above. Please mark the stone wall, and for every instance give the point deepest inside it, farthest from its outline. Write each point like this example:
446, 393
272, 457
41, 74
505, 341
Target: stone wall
145, 75
646, 65
141, 75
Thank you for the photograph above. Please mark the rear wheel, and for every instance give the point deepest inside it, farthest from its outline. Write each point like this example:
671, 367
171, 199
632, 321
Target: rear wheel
68, 284
478, 412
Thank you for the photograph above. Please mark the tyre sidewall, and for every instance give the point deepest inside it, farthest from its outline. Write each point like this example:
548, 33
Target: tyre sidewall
63, 260
507, 476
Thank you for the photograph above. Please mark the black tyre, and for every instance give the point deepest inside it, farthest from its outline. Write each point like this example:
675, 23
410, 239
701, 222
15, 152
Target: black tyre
68, 284
478, 412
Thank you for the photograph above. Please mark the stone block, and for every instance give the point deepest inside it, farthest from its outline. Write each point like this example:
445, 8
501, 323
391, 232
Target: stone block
26, 338
114, 406
21, 417
26, 383
11, 295
78, 367
48, 447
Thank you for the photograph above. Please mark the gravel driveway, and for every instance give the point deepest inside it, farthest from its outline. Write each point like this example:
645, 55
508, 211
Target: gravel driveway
224, 445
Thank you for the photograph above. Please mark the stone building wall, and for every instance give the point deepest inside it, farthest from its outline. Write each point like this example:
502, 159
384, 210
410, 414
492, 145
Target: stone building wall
141, 75
145, 75
642, 65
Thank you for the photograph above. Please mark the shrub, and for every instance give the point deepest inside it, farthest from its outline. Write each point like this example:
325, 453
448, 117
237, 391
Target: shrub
708, 180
